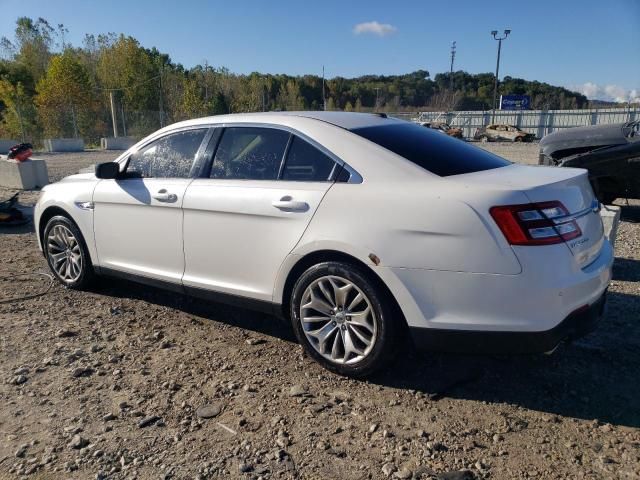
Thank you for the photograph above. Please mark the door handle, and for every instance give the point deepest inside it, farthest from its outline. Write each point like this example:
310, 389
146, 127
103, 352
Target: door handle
288, 204
164, 196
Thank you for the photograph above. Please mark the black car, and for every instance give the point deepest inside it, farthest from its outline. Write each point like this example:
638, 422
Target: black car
611, 153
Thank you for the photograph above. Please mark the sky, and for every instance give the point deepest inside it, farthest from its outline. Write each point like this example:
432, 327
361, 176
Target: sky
586, 45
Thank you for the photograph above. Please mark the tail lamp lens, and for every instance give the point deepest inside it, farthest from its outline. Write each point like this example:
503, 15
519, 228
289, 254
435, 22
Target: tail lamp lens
535, 223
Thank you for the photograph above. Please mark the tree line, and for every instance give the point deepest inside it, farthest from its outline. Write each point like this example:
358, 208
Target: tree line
50, 88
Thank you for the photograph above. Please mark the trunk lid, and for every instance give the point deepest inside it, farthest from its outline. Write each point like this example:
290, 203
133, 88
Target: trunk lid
570, 186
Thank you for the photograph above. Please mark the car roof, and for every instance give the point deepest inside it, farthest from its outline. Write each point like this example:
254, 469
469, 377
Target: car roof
346, 120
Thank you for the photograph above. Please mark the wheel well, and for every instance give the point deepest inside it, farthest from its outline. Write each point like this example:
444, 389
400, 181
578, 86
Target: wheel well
334, 256
47, 215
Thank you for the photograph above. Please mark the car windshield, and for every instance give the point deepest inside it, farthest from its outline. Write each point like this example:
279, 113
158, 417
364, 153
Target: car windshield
437, 153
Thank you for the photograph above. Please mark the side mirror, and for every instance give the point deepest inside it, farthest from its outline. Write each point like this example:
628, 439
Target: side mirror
108, 170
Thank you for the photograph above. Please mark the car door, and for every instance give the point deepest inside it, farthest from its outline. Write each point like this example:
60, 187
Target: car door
138, 218
241, 222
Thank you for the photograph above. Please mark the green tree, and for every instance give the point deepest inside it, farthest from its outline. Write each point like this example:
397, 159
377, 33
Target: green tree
128, 68
65, 99
32, 44
19, 113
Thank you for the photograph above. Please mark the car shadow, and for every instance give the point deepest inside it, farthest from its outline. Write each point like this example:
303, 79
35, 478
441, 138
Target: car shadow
629, 213
626, 269
592, 378
595, 377
18, 229
258, 322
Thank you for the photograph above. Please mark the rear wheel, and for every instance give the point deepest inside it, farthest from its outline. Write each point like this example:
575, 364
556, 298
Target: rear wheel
67, 253
484, 139
342, 319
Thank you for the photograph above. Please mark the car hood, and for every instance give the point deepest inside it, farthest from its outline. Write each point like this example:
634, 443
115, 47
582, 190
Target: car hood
593, 136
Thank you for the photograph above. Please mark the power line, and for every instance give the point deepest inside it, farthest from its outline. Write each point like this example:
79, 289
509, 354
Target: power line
149, 80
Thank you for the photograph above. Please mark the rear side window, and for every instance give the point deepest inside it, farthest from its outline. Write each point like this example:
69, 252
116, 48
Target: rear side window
431, 150
168, 157
305, 163
249, 153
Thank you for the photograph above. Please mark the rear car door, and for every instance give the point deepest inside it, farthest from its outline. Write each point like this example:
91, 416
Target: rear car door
240, 222
138, 218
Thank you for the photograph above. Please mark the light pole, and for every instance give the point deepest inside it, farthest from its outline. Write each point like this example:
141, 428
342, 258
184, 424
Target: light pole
495, 84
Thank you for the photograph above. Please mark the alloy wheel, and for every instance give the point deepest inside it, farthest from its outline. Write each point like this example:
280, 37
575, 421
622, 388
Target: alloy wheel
338, 320
65, 255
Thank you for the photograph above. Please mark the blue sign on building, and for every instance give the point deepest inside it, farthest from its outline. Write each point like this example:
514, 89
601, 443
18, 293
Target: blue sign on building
515, 102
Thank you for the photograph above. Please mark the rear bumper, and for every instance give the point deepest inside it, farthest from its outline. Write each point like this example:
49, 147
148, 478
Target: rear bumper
575, 325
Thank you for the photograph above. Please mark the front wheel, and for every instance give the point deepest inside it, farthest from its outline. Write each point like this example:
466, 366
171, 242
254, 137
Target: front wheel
67, 253
343, 319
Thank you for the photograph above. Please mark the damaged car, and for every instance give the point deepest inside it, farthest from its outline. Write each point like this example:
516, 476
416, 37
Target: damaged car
501, 133
455, 132
611, 154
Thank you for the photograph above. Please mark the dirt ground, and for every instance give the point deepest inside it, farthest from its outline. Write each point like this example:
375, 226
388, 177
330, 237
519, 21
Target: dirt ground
111, 383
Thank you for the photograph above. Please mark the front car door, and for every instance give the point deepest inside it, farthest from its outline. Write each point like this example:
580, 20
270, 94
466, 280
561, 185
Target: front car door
241, 222
138, 218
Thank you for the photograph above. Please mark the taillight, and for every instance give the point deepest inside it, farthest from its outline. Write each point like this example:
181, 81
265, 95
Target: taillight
535, 223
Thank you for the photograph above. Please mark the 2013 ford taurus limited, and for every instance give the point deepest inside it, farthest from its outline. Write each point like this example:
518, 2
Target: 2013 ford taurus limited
356, 227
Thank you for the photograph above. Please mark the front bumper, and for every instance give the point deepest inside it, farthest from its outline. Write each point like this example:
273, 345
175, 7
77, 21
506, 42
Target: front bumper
576, 325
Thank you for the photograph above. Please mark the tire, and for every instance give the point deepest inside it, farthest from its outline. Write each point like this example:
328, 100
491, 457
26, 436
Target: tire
518, 139
484, 139
375, 322
66, 253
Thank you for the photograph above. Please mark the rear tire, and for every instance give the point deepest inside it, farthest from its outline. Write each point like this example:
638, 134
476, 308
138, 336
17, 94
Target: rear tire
66, 253
343, 319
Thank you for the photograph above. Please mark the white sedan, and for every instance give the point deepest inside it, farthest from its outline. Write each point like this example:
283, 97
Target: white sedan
357, 227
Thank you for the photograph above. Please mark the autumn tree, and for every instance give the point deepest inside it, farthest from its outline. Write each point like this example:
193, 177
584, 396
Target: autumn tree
65, 98
19, 113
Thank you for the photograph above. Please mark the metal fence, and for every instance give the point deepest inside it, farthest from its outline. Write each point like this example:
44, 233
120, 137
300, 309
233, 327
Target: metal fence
91, 126
538, 122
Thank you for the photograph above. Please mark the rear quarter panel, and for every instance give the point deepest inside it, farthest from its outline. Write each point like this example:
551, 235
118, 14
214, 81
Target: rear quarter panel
428, 223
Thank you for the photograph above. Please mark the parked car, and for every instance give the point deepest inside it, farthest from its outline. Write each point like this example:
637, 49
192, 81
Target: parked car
611, 153
455, 132
354, 227
498, 132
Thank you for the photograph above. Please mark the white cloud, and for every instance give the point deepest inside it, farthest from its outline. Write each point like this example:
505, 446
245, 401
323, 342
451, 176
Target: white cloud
375, 28
611, 93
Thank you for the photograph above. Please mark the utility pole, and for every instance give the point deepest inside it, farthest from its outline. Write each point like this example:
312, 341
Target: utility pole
453, 56
494, 33
113, 114
160, 103
124, 123
324, 98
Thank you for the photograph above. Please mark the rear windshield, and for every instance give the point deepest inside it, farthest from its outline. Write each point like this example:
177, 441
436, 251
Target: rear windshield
432, 150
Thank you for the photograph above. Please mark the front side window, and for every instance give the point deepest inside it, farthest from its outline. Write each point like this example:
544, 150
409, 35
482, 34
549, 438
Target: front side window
249, 153
437, 153
168, 157
305, 163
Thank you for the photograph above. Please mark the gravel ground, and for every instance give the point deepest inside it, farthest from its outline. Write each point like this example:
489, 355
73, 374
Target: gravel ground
126, 381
